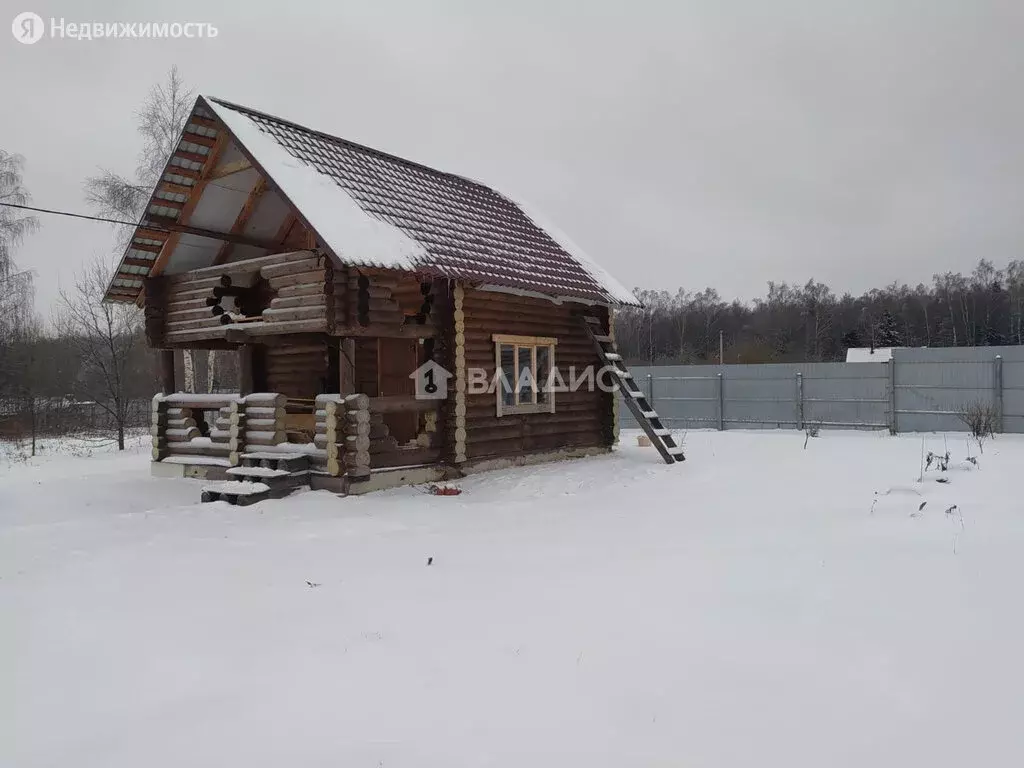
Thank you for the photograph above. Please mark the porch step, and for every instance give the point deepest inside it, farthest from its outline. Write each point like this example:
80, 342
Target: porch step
288, 462
275, 479
235, 492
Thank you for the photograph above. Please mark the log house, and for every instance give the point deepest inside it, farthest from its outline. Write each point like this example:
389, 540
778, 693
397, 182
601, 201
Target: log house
336, 271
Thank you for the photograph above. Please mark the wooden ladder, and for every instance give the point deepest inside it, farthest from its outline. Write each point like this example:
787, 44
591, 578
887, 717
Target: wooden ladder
636, 401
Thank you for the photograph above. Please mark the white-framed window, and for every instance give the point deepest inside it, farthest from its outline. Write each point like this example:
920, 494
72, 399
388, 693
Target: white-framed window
524, 365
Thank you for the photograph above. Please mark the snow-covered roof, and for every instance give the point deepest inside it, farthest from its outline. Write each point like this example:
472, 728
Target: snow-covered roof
869, 355
375, 209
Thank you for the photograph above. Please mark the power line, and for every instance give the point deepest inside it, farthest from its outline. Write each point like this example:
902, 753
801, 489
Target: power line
82, 216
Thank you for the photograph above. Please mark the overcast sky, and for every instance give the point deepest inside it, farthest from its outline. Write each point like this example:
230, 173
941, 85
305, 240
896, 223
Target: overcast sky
687, 143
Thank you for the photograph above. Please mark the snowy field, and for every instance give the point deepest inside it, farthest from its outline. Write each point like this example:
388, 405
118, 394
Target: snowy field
761, 604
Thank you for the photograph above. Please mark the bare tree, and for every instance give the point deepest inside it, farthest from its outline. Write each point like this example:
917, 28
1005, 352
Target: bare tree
108, 339
16, 295
160, 121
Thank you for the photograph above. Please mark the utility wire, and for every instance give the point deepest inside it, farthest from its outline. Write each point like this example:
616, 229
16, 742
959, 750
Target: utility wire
82, 216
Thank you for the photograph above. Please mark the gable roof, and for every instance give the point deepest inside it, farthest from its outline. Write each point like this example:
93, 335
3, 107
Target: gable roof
374, 209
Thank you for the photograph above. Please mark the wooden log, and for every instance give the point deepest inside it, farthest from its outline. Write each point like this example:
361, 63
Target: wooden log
357, 460
356, 402
183, 282
194, 449
293, 302
282, 327
300, 278
179, 435
186, 315
180, 403
265, 438
296, 267
185, 305
297, 349
265, 400
265, 412
246, 369
355, 417
402, 404
305, 289
206, 320
295, 313
243, 266
407, 457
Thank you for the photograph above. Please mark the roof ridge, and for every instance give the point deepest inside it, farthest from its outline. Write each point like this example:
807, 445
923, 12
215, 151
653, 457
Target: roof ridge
342, 140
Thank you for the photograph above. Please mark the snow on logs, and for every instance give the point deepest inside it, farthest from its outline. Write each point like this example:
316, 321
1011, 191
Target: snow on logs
256, 419
343, 431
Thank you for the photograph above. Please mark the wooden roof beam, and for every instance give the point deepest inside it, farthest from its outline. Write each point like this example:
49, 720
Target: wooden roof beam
184, 229
242, 219
230, 169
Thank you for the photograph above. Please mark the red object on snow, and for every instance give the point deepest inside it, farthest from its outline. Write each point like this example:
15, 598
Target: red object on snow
444, 490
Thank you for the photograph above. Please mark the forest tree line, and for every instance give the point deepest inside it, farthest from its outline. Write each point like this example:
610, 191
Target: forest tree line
810, 323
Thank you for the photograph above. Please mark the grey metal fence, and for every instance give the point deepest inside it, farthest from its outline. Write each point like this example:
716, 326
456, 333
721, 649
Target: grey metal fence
919, 390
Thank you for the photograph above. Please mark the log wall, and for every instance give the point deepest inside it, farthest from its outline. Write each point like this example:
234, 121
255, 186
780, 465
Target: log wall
281, 293
581, 419
298, 370
383, 298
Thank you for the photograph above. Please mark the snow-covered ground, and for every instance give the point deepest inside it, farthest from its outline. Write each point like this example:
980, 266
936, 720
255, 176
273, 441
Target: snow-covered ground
760, 604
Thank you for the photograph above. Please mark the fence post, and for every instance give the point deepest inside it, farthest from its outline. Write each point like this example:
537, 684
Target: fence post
799, 400
891, 386
721, 403
650, 391
997, 393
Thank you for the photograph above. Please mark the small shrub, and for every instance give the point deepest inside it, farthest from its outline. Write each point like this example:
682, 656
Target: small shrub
980, 419
812, 429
